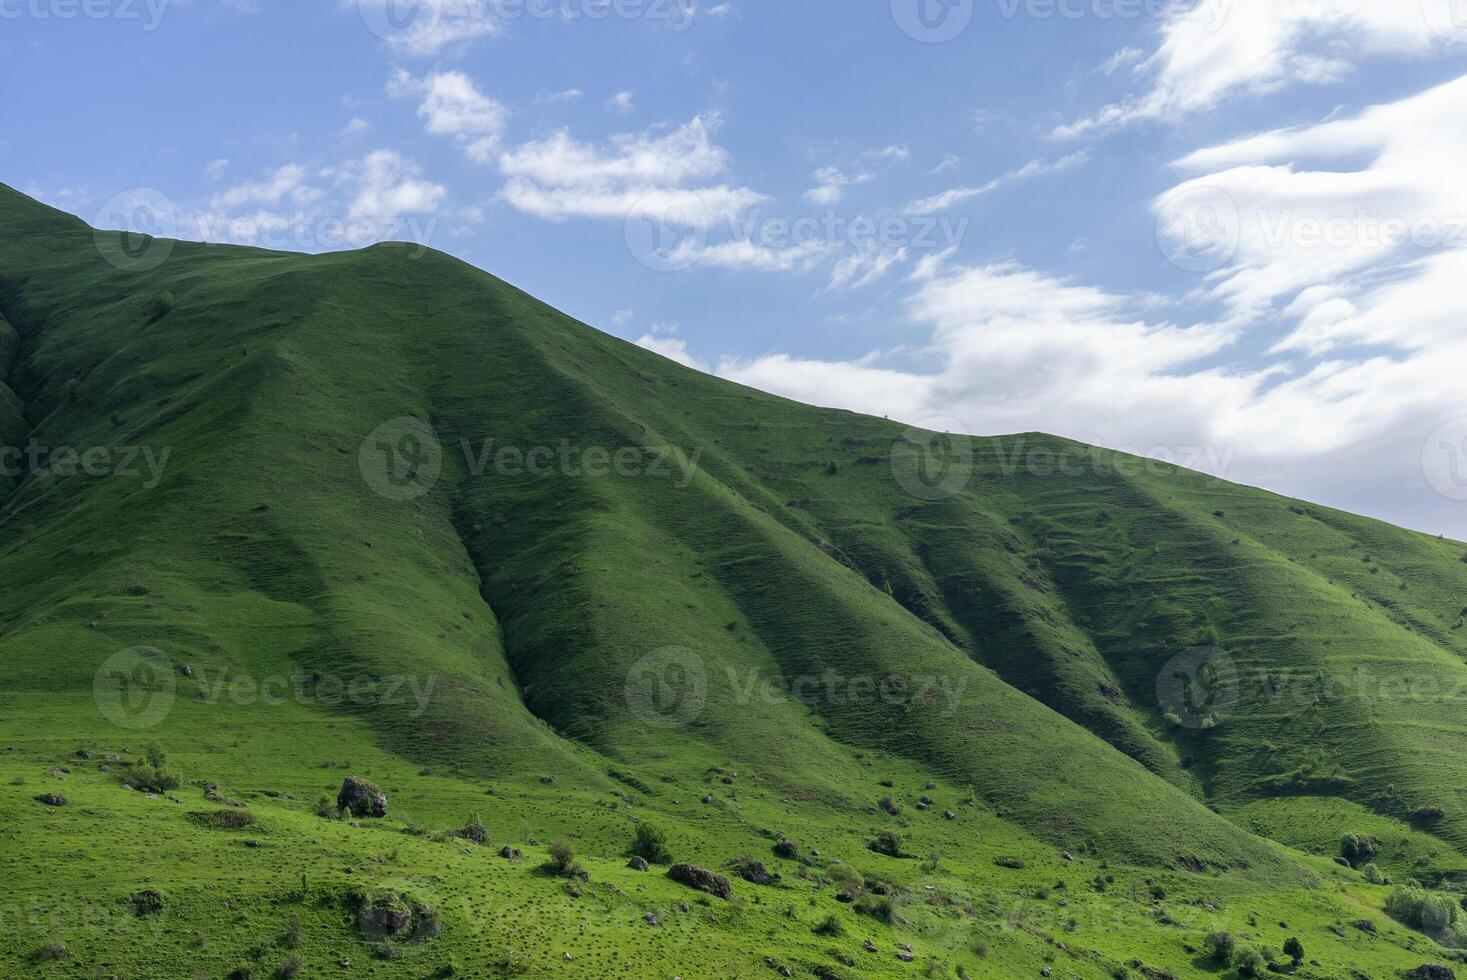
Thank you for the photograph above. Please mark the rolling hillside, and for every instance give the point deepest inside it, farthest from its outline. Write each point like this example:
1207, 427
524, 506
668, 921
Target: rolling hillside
292, 518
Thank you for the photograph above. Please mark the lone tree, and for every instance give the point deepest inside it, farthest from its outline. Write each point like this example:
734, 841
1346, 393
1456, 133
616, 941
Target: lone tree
1294, 950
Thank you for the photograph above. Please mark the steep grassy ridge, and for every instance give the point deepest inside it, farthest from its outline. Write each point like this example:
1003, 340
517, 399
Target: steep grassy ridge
398, 518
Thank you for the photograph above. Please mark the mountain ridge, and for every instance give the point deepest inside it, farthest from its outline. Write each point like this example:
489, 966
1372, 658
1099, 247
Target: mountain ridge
1016, 625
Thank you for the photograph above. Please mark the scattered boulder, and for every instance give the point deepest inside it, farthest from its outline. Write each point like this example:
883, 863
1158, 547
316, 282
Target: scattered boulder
383, 914
1432, 971
638, 863
52, 799
510, 853
476, 832
701, 879
787, 849
361, 798
750, 870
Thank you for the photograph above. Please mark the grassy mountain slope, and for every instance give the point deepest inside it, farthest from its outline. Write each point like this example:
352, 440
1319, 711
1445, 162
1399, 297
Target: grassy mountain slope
493, 645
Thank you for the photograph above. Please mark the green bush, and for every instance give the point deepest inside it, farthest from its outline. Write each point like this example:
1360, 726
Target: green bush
1436, 915
1358, 849
1221, 945
1249, 963
831, 925
563, 859
162, 306
1294, 950
888, 842
650, 845
879, 907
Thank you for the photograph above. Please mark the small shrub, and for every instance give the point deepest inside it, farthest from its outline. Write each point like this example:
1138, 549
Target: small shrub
1358, 849
831, 925
878, 907
153, 775
563, 860
514, 963
291, 967
326, 809
1221, 945
650, 845
1427, 813
1294, 950
847, 880
1249, 963
162, 306
888, 842
52, 951
1373, 874
150, 901
224, 819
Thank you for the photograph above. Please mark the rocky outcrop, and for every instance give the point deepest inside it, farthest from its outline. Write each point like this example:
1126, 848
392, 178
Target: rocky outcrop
361, 798
700, 878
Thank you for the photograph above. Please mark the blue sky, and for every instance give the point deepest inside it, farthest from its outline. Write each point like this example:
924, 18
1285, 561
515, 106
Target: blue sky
1230, 233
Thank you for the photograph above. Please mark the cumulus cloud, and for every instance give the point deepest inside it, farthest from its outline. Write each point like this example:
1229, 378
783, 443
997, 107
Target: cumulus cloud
1216, 49
1335, 353
658, 172
453, 106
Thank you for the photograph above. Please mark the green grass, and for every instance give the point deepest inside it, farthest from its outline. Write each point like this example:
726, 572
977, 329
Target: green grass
480, 652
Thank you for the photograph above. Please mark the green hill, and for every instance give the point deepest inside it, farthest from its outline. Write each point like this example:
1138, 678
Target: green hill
291, 518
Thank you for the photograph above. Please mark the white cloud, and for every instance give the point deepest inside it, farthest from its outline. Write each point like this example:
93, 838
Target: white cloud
386, 186
287, 185
864, 267
356, 127
1123, 58
1362, 339
562, 97
431, 26
957, 195
1216, 49
623, 102
659, 340
633, 173
453, 106
215, 171
741, 254
1307, 232
831, 186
